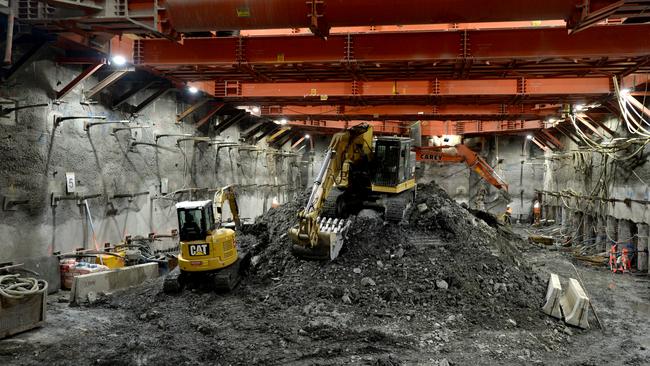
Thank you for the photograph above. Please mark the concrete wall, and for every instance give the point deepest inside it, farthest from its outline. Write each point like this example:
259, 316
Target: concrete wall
592, 174
36, 157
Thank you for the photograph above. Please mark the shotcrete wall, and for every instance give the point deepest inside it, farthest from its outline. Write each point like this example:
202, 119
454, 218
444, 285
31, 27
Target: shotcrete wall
35, 157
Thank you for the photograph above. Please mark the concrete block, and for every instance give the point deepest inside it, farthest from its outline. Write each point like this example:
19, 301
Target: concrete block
104, 282
47, 268
575, 305
553, 292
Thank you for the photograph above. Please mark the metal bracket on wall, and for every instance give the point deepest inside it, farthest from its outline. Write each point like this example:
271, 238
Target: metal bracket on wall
158, 137
118, 129
4, 112
55, 199
60, 119
9, 203
129, 196
172, 235
195, 139
88, 125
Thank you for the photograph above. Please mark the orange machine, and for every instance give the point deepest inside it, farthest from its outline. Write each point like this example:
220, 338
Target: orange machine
435, 154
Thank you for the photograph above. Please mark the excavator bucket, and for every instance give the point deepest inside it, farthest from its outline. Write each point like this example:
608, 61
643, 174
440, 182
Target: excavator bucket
333, 234
331, 237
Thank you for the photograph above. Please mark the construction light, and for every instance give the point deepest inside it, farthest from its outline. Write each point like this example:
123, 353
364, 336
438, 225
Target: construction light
307, 137
529, 137
255, 110
580, 107
624, 92
193, 89
119, 60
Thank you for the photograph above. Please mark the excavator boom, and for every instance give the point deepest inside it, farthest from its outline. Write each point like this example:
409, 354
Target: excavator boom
226, 194
435, 154
320, 238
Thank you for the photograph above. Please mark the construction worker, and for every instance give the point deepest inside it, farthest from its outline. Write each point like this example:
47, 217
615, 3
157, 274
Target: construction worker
507, 217
624, 261
613, 260
537, 212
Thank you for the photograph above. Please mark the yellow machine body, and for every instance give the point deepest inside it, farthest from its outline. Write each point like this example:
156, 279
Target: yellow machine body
217, 251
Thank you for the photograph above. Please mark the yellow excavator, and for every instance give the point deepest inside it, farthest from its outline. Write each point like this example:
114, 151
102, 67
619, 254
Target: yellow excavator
358, 172
208, 254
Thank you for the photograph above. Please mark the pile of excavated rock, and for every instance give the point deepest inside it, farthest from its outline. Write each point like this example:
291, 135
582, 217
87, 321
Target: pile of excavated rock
440, 260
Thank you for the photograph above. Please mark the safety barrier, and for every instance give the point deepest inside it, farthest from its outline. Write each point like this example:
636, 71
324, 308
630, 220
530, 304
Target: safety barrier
575, 305
104, 282
553, 292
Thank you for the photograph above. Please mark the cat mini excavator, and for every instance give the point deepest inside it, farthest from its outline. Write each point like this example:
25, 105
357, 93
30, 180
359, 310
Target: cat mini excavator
208, 254
357, 173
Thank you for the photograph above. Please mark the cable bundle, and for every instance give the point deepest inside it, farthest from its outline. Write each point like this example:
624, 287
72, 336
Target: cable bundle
13, 286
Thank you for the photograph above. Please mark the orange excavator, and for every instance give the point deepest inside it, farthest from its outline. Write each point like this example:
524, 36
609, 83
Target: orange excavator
438, 154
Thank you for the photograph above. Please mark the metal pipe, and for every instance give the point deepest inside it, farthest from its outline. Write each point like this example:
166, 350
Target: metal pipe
88, 125
58, 120
157, 137
210, 15
117, 129
196, 139
10, 38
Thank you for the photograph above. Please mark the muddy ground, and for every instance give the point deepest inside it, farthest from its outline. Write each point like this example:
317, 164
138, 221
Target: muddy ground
441, 287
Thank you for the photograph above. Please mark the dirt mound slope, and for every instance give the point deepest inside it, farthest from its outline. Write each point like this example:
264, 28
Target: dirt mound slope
440, 259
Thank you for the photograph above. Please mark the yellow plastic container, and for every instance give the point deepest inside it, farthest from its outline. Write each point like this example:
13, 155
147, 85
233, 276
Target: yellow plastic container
110, 261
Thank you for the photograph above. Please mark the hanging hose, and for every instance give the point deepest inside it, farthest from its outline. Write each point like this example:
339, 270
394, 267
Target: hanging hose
15, 287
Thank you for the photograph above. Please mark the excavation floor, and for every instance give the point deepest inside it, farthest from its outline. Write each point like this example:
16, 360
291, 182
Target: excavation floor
299, 322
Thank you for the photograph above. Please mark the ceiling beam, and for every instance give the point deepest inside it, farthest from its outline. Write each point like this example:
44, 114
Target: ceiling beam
492, 44
410, 112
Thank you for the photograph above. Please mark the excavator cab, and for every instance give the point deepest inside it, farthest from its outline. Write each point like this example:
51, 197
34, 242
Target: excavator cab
393, 163
195, 220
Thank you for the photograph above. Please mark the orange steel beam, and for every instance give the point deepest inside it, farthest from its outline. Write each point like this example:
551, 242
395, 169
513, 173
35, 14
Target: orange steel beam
493, 44
321, 91
408, 112
429, 128
210, 15
408, 28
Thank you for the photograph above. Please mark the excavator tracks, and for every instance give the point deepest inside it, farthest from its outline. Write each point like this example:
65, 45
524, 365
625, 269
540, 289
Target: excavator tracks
396, 206
222, 280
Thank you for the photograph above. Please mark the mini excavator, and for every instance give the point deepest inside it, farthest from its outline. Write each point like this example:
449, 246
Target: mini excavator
361, 172
208, 254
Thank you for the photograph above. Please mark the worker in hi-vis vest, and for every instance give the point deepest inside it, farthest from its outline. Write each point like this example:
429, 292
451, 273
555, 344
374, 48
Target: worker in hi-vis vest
537, 212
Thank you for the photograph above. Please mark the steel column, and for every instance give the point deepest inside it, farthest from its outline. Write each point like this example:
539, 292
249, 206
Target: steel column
105, 83
85, 74
208, 115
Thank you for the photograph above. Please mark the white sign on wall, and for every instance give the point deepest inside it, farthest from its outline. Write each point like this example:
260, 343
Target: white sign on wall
70, 183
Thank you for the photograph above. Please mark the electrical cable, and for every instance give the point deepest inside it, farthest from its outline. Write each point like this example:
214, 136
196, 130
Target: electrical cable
13, 286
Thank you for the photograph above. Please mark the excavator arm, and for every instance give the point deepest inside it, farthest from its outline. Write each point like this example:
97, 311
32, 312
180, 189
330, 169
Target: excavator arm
435, 154
226, 194
319, 238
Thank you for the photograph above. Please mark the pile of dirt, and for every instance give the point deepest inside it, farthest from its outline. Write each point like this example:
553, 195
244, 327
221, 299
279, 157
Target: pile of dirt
440, 260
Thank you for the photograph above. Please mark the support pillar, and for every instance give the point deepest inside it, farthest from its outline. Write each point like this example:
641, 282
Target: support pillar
601, 236
566, 214
612, 231
625, 238
643, 263
577, 226
588, 237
